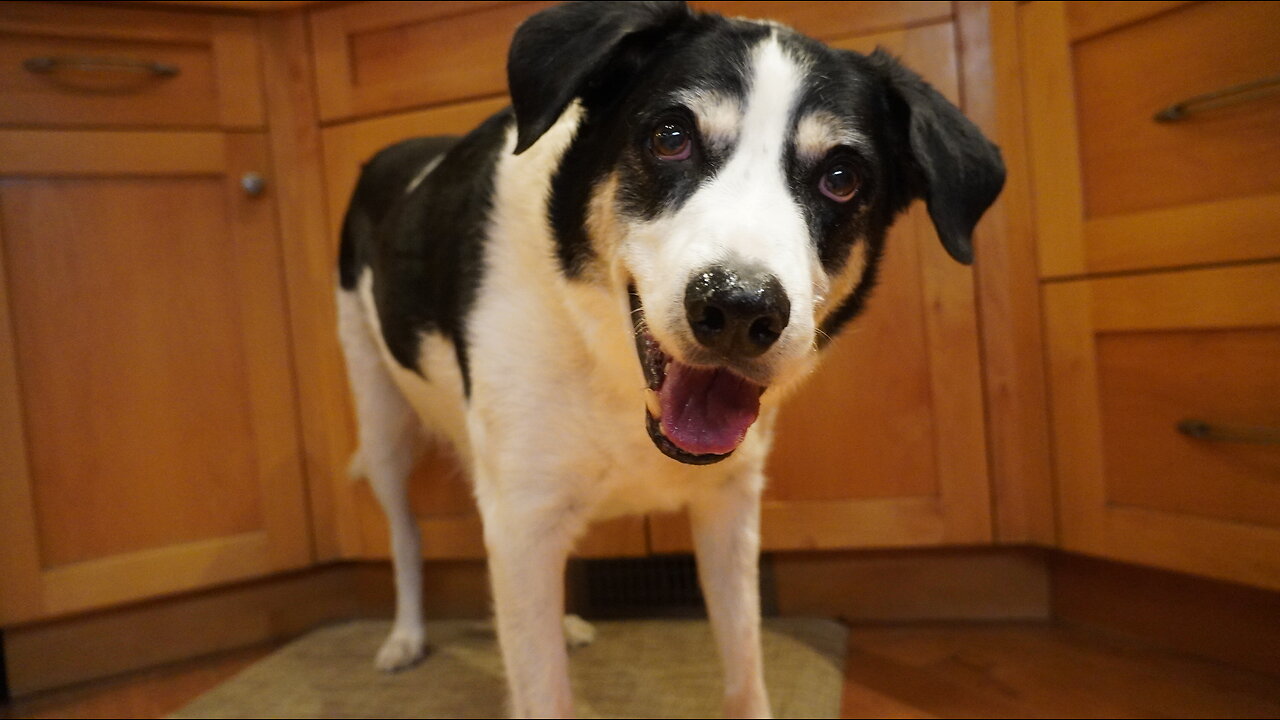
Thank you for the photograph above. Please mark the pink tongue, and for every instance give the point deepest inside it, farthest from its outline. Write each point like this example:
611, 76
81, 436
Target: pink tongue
707, 410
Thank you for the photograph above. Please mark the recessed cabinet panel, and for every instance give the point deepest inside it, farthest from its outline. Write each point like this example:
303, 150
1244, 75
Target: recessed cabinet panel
1191, 422
127, 335
156, 419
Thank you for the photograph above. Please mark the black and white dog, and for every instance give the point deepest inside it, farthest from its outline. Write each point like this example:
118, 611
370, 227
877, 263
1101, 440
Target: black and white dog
600, 296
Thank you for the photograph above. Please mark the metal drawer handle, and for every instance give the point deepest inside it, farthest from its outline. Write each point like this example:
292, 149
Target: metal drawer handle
1251, 434
1226, 96
49, 63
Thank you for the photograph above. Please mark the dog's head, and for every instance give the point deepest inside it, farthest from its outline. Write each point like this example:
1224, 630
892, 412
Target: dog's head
736, 179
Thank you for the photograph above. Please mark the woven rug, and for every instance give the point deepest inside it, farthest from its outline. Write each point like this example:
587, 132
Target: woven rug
635, 668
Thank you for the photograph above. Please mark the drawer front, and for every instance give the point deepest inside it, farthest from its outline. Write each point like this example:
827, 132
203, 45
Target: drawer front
1133, 163
1206, 382
1166, 414
1119, 190
372, 58
104, 67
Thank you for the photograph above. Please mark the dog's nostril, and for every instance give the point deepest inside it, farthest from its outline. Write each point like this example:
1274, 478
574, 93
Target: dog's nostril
712, 319
765, 331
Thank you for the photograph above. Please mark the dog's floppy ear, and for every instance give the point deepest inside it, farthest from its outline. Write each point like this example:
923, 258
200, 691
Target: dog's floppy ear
956, 169
555, 53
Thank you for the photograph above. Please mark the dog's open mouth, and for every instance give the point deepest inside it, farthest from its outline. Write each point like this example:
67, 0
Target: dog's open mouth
697, 415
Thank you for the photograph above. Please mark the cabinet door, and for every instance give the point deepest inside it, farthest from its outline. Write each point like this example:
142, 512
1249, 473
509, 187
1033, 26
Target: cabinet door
149, 438
1166, 414
885, 445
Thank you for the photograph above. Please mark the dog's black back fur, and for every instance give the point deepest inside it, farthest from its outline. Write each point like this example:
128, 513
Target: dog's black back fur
426, 246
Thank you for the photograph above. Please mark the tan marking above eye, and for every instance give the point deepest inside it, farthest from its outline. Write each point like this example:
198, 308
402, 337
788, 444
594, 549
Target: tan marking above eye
818, 132
718, 116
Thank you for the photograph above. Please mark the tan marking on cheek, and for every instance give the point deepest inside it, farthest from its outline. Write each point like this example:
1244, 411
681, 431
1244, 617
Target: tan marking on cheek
604, 229
843, 283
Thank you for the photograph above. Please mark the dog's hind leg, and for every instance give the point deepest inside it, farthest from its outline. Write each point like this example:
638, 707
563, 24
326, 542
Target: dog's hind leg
390, 443
726, 533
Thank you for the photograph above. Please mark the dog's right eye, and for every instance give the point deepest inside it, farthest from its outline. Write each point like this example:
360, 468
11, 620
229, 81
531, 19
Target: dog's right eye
670, 141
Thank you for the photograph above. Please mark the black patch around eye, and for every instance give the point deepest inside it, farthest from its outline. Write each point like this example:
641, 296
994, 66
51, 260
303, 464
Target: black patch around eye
834, 225
652, 184
839, 182
710, 53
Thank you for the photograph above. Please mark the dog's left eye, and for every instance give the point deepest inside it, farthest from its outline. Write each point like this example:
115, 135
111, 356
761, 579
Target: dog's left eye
839, 182
670, 141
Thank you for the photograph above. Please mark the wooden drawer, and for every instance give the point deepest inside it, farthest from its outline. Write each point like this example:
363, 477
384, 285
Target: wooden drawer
1157, 389
1133, 163
1135, 193
75, 66
1131, 359
377, 57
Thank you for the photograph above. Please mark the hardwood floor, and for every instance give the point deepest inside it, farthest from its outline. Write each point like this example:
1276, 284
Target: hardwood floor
146, 694
900, 671
1038, 670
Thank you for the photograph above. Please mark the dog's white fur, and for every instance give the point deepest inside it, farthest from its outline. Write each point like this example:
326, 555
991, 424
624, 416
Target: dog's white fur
552, 434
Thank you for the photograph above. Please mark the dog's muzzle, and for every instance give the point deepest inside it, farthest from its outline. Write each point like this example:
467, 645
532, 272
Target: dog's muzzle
696, 415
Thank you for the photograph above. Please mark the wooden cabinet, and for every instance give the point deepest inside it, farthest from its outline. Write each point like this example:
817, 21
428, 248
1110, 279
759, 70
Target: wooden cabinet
169, 368
1161, 307
170, 357
149, 417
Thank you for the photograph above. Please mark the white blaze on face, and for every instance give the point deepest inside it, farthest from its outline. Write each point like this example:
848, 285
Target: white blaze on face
745, 215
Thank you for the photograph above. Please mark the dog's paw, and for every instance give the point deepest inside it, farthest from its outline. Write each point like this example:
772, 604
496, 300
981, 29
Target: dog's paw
401, 649
578, 632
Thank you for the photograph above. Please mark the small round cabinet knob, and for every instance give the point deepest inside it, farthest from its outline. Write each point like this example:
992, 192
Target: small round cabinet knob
253, 184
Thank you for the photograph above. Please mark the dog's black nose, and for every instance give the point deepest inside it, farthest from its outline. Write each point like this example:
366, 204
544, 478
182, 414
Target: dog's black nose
736, 312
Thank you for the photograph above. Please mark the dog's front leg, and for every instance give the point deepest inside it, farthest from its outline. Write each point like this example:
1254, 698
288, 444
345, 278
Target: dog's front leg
726, 531
528, 549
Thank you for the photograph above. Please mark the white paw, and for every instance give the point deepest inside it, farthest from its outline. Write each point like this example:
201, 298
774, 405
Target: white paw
401, 649
578, 632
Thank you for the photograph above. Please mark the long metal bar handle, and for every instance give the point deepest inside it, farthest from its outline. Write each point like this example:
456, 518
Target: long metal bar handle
1226, 96
50, 63
1251, 434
